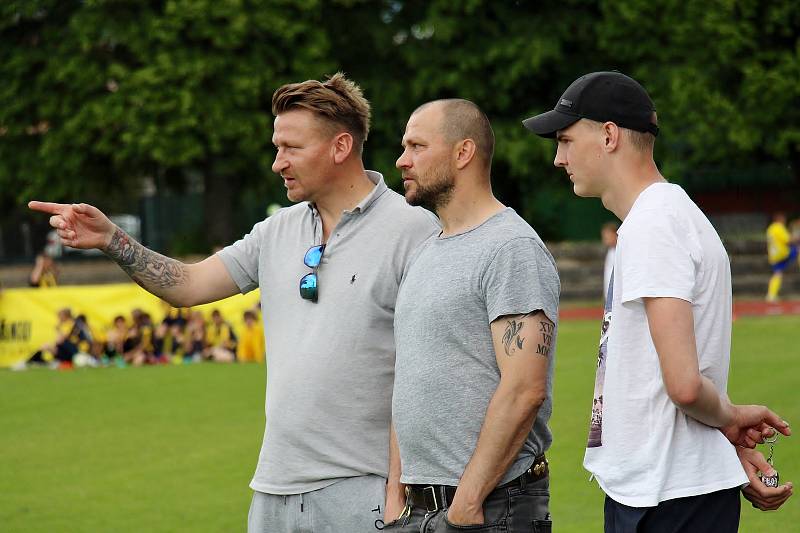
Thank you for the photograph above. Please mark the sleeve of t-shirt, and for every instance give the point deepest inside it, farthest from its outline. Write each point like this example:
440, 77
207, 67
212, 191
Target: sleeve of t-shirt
241, 257
655, 258
521, 278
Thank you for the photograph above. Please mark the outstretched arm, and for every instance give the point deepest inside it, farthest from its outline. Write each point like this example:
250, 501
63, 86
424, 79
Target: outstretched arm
84, 226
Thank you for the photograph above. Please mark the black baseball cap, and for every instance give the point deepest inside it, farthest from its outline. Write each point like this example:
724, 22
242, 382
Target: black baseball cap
600, 96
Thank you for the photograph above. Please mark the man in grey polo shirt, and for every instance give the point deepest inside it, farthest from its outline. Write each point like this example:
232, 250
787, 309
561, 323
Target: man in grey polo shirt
329, 269
475, 329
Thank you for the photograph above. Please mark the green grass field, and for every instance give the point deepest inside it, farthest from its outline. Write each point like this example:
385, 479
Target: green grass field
172, 449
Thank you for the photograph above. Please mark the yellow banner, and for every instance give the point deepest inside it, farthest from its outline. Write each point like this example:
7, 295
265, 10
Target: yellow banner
28, 316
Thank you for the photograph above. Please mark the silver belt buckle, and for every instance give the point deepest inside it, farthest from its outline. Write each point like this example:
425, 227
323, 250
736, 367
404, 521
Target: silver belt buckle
429, 494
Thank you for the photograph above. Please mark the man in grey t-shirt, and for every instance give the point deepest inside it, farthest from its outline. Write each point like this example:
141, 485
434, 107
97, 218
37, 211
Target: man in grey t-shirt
475, 329
329, 269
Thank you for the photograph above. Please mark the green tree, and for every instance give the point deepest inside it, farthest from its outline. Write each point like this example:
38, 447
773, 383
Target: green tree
724, 77
511, 58
724, 74
101, 93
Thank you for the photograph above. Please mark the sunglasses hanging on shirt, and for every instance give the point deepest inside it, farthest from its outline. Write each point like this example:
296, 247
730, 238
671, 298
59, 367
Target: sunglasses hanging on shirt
309, 283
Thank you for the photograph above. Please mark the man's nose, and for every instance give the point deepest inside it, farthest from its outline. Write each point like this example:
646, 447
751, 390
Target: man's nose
403, 161
560, 159
280, 163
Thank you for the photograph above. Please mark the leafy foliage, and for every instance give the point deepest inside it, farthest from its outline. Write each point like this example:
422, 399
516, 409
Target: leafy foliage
105, 92
724, 75
98, 94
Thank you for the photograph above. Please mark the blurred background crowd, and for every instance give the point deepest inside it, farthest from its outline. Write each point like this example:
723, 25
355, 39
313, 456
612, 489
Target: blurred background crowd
159, 113
181, 336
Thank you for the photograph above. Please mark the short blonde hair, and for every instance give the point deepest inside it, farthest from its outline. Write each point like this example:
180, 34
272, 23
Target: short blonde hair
337, 101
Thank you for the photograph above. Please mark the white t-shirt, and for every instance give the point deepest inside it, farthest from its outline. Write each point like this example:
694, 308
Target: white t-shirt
642, 449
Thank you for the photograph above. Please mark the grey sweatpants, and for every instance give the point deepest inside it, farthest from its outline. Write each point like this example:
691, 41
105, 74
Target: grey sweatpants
353, 505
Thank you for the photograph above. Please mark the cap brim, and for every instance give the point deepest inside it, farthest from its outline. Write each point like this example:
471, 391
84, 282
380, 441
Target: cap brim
547, 124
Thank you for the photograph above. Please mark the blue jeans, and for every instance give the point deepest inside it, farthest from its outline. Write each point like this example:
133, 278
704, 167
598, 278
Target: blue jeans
511, 509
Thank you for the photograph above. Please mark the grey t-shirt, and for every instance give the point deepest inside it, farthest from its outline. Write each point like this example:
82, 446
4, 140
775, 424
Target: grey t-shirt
446, 370
330, 364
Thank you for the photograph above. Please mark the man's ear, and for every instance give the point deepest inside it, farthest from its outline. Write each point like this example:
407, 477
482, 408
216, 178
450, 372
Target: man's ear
464, 152
341, 147
611, 134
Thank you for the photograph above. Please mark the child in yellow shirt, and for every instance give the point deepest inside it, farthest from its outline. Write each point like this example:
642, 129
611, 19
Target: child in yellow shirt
251, 342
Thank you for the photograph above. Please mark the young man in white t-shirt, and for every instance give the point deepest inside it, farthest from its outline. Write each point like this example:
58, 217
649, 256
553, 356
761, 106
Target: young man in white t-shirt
663, 437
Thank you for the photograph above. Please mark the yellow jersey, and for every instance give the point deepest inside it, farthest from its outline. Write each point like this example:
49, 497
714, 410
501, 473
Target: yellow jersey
220, 335
778, 240
251, 344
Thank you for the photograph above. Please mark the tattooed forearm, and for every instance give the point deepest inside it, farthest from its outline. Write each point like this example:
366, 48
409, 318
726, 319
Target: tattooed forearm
546, 329
512, 340
149, 269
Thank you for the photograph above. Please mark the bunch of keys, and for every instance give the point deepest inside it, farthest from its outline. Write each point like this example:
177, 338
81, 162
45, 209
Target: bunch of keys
770, 481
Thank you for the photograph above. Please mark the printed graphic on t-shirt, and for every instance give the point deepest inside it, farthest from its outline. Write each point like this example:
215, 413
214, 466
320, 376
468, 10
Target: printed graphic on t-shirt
596, 424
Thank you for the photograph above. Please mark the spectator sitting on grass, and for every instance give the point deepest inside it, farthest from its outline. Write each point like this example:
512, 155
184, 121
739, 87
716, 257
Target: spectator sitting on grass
147, 330
175, 315
68, 336
115, 339
251, 343
59, 353
195, 338
220, 340
88, 346
162, 344
175, 343
139, 341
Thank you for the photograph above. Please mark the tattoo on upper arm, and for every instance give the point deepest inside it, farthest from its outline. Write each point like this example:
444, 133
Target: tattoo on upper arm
146, 267
546, 329
512, 340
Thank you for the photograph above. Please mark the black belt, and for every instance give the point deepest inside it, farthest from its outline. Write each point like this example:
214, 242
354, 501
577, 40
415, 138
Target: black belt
435, 497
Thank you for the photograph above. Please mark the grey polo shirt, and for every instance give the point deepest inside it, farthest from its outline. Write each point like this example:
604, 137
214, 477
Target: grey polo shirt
330, 364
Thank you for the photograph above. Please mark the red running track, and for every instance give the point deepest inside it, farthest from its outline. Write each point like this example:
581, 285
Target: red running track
740, 309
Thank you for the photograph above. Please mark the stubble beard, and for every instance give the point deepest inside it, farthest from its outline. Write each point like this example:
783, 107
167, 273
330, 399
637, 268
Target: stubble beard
437, 193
